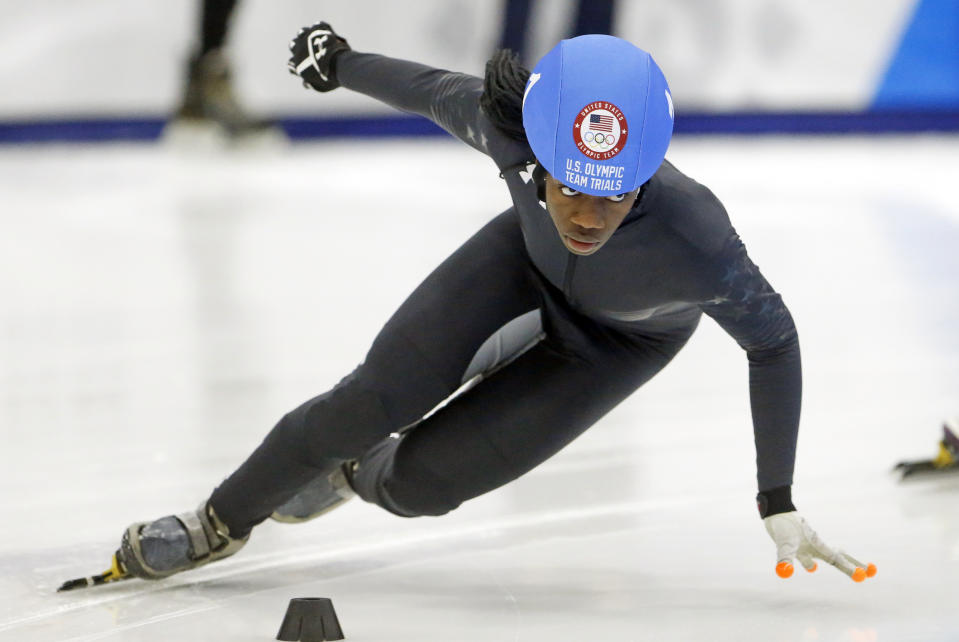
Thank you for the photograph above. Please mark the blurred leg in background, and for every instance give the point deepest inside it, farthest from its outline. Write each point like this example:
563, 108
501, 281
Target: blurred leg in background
515, 26
589, 16
593, 16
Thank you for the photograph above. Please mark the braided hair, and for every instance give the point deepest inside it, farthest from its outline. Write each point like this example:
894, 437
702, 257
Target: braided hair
502, 102
502, 98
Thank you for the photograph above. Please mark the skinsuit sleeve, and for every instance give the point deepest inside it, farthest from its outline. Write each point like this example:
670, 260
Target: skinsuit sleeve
449, 99
753, 313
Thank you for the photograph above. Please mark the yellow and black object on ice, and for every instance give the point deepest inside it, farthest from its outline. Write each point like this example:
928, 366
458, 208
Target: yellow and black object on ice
945, 462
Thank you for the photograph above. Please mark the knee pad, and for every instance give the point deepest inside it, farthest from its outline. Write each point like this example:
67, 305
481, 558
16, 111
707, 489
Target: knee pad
405, 490
506, 344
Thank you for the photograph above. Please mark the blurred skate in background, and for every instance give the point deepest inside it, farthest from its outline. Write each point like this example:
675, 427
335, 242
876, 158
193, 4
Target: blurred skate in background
946, 461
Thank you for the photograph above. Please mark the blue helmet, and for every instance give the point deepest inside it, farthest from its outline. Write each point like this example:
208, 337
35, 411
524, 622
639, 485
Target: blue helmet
598, 114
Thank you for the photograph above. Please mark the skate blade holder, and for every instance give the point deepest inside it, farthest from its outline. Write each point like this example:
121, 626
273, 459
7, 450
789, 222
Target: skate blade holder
310, 619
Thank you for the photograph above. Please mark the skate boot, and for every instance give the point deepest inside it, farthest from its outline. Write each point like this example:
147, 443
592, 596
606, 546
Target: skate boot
320, 496
154, 550
209, 97
946, 460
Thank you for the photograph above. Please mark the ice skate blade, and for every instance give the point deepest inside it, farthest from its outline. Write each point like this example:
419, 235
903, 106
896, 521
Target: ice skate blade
115, 573
923, 471
87, 582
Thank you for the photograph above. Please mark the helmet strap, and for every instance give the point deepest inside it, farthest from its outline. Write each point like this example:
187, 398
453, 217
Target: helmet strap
539, 179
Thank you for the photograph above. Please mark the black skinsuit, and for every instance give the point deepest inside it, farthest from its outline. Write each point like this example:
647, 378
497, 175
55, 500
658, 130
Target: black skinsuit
610, 322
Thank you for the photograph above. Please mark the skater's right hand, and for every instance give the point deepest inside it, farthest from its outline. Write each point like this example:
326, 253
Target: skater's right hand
795, 539
314, 50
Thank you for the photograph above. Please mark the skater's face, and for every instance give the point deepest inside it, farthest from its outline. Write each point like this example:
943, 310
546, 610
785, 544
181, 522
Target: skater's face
585, 222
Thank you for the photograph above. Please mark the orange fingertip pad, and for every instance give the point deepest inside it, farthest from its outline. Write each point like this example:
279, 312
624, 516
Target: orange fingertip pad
813, 569
785, 569
871, 570
859, 574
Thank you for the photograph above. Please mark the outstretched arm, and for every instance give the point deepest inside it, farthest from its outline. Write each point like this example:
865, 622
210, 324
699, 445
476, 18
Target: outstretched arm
450, 99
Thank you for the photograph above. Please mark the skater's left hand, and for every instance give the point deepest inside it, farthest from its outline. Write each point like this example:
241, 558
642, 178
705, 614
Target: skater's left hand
313, 56
795, 539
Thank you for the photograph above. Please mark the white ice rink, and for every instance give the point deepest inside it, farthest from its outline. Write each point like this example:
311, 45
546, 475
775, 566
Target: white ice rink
161, 308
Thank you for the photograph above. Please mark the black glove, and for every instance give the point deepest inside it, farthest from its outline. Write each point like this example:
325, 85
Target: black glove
314, 52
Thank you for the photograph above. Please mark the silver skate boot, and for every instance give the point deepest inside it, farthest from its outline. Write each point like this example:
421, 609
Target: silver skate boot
158, 549
320, 496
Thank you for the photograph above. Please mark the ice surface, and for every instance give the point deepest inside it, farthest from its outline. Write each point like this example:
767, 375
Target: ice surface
160, 308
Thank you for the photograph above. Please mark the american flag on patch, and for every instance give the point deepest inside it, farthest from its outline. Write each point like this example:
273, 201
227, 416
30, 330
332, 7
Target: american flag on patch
601, 122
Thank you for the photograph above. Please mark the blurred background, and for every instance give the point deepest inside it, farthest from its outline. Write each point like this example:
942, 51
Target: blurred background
107, 69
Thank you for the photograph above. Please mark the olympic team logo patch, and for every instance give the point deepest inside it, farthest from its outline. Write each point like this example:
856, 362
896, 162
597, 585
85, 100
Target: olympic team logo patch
600, 130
